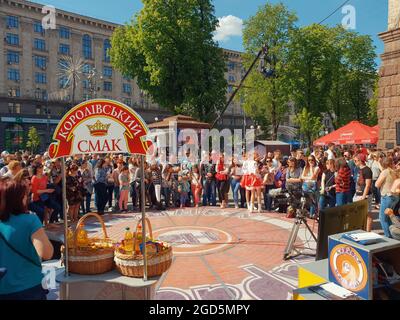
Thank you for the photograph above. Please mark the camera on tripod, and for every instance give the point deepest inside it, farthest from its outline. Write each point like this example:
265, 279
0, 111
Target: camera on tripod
299, 202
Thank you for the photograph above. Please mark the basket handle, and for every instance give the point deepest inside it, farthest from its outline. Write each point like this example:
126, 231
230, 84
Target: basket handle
81, 220
136, 231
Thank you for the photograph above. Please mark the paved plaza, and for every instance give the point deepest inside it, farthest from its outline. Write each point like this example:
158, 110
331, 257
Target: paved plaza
219, 254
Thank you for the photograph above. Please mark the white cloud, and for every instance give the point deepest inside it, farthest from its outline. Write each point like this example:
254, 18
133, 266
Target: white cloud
228, 27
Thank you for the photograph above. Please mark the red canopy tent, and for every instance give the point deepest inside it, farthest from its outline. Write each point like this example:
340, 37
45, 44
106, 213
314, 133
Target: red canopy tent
352, 133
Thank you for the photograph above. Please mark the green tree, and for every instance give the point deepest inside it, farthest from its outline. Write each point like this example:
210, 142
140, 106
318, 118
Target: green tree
33, 141
169, 48
312, 55
309, 125
373, 107
266, 100
331, 70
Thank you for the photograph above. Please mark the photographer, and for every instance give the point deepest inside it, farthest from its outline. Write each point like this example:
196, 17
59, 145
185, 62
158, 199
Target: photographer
327, 192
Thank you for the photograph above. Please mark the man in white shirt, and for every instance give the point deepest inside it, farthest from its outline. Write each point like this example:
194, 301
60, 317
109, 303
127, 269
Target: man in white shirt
331, 154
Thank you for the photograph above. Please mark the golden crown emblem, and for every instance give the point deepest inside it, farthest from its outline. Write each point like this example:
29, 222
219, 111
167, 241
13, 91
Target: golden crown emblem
98, 129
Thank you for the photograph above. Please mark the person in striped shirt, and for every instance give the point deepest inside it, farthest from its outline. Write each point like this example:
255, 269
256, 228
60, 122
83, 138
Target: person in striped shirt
342, 182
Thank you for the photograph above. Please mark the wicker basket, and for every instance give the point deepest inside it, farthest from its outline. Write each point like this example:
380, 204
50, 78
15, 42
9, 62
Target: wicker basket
87, 260
132, 265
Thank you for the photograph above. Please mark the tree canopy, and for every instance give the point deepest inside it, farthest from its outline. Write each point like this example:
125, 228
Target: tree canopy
169, 48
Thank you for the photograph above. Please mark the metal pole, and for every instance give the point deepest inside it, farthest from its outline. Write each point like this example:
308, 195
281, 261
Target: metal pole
64, 201
143, 197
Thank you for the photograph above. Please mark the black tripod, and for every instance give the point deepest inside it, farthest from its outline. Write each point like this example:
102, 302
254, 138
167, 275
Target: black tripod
291, 250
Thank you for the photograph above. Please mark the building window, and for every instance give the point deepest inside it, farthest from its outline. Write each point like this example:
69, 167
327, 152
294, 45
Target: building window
14, 108
107, 86
40, 44
128, 102
87, 68
40, 94
230, 89
64, 49
107, 45
87, 46
65, 33
12, 39
12, 57
231, 78
13, 74
38, 110
231, 66
107, 72
85, 84
40, 62
14, 92
14, 134
12, 22
127, 88
40, 78
127, 78
63, 82
37, 27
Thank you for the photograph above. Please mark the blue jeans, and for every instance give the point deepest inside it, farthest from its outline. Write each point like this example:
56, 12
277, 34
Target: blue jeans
209, 192
116, 196
267, 197
35, 293
235, 185
343, 198
86, 200
387, 202
326, 201
166, 192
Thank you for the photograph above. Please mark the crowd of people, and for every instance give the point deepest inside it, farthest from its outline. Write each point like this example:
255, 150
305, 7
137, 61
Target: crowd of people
334, 177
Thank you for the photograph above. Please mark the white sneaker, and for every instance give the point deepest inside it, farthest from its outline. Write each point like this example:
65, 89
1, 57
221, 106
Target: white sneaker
236, 206
110, 210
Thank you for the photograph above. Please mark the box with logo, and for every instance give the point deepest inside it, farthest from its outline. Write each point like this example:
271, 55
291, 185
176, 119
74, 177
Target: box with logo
361, 268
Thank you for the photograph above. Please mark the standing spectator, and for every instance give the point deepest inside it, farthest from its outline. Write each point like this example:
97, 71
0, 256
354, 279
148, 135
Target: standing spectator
236, 174
124, 188
268, 183
87, 182
23, 243
13, 167
166, 183
110, 183
293, 175
208, 177
348, 156
133, 177
343, 183
330, 152
276, 161
309, 178
301, 163
328, 195
389, 199
364, 185
196, 185
40, 192
222, 178
116, 172
100, 185
74, 192
183, 189
376, 169
156, 181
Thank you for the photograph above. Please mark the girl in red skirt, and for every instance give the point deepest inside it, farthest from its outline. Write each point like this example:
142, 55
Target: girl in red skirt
252, 182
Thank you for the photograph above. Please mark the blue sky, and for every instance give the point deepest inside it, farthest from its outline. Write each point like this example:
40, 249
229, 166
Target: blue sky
371, 15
